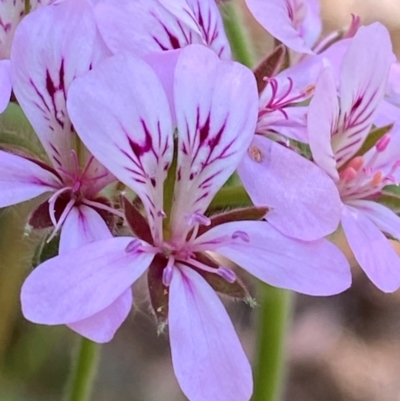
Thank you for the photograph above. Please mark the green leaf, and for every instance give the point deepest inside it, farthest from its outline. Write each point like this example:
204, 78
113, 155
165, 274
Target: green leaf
392, 190
391, 202
17, 132
372, 138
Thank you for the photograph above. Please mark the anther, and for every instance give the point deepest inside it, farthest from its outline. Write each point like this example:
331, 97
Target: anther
356, 163
241, 235
227, 274
161, 214
348, 174
168, 272
133, 246
377, 178
198, 218
383, 143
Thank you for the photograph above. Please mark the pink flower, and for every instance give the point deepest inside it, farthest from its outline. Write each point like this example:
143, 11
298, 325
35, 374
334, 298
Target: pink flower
303, 201
145, 26
42, 72
126, 122
338, 130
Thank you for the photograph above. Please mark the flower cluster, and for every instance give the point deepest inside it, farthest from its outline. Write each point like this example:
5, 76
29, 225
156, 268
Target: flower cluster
147, 125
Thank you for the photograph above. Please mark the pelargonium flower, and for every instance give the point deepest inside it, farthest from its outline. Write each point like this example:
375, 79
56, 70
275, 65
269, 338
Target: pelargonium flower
145, 26
300, 195
337, 132
42, 73
123, 116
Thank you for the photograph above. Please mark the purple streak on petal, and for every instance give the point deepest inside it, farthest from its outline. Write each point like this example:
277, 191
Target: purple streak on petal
208, 18
82, 282
314, 268
135, 143
208, 359
42, 71
304, 201
371, 249
102, 326
216, 106
370, 53
146, 26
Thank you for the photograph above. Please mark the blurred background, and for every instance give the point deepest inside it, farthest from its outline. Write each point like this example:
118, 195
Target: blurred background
342, 348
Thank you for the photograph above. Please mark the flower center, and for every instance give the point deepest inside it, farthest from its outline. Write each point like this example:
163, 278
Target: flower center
361, 179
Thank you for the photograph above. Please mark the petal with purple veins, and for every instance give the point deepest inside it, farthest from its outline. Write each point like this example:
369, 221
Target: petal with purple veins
208, 359
42, 71
370, 53
133, 134
144, 26
82, 282
310, 267
216, 107
304, 201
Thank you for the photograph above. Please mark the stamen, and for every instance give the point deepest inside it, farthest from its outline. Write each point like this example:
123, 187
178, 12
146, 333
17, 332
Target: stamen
383, 143
348, 174
63, 217
85, 170
198, 218
133, 246
52, 201
227, 274
377, 178
168, 272
161, 214
356, 163
102, 206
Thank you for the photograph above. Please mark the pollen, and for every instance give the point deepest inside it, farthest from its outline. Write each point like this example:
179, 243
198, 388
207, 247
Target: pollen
256, 154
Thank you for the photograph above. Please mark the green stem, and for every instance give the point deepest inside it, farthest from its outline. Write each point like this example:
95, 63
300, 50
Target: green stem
237, 34
274, 318
84, 372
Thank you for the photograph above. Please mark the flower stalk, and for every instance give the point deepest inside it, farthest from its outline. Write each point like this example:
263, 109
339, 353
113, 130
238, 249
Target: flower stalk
237, 34
274, 316
83, 372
